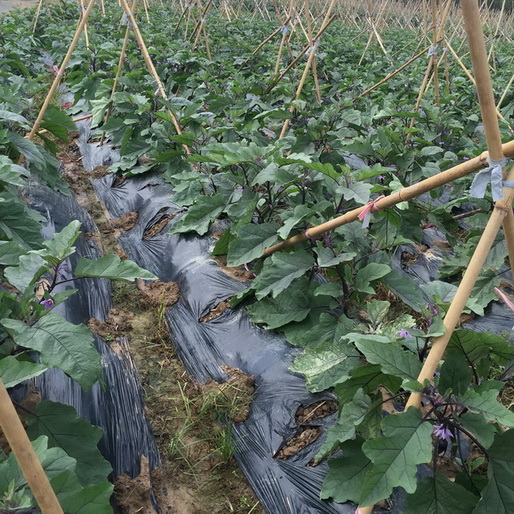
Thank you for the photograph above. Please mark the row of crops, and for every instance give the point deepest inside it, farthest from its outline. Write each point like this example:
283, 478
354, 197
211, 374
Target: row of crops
362, 302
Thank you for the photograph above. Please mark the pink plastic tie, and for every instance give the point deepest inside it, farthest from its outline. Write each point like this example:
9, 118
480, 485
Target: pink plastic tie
365, 215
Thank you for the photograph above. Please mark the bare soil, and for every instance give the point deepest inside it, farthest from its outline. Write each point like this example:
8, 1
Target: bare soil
9, 5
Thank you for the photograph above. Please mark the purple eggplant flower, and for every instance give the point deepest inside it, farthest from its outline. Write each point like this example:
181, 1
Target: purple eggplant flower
47, 304
442, 432
403, 333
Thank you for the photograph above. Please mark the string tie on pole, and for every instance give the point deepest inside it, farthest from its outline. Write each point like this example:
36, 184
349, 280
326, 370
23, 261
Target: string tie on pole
313, 48
307, 234
432, 50
493, 174
365, 215
58, 72
284, 30
125, 19
203, 20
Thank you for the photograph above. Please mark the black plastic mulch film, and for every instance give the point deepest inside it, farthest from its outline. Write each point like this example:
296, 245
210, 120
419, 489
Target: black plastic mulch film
282, 486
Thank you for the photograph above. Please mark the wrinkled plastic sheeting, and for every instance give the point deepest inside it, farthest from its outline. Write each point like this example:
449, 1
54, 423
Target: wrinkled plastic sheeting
118, 408
424, 268
282, 486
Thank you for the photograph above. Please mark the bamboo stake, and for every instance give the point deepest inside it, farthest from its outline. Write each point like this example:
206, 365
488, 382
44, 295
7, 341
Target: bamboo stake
435, 63
59, 75
184, 12
299, 89
312, 55
403, 195
269, 38
38, 10
392, 74
504, 94
502, 208
145, 6
80, 118
432, 63
118, 71
469, 75
86, 34
280, 49
300, 55
452, 318
26, 456
311, 42
151, 67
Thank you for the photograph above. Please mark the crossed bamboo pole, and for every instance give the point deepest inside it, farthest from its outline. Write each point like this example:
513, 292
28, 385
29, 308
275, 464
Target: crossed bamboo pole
26, 456
502, 212
312, 55
60, 73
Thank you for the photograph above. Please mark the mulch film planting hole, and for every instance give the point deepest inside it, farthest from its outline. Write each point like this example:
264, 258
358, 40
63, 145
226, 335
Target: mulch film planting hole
317, 410
303, 438
158, 224
215, 312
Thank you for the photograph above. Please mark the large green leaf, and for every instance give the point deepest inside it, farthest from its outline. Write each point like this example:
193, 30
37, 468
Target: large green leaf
60, 245
407, 442
369, 377
294, 304
455, 374
250, 242
350, 417
76, 437
280, 270
299, 213
439, 495
60, 469
200, 215
16, 223
391, 358
54, 462
327, 257
346, 474
16, 118
368, 274
479, 427
486, 403
475, 346
32, 152
498, 494
14, 370
30, 267
111, 266
317, 328
10, 253
405, 288
11, 173
60, 344
57, 122
92, 499
326, 365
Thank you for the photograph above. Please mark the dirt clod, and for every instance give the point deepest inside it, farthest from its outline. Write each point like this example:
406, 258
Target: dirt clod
317, 410
239, 272
303, 438
234, 395
159, 223
159, 293
117, 324
215, 312
126, 222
